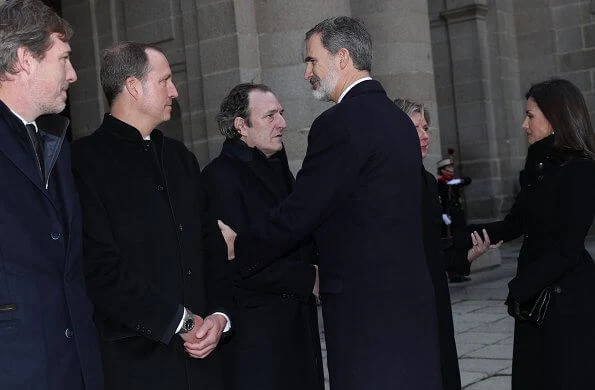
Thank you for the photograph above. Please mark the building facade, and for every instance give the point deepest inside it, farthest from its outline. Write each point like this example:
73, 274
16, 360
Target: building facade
469, 61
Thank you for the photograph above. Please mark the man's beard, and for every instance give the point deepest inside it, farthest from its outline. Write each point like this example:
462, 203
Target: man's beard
326, 86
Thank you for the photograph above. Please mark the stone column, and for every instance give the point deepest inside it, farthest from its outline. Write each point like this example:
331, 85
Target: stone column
483, 94
281, 27
403, 55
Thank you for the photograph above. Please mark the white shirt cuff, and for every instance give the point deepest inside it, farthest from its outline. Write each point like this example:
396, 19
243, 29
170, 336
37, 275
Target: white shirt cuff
181, 322
227, 324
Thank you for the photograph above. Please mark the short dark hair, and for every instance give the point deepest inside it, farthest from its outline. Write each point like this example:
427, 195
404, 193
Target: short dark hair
237, 104
349, 33
564, 106
125, 59
27, 23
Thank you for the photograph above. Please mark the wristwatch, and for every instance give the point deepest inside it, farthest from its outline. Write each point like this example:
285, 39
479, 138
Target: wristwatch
187, 322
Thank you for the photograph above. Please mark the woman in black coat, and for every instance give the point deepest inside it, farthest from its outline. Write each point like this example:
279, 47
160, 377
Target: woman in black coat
554, 211
433, 248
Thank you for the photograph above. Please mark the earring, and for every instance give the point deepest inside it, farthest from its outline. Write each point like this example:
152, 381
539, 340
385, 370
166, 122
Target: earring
553, 132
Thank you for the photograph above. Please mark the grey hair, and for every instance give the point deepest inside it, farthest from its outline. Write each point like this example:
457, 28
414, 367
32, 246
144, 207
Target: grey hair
349, 33
29, 24
410, 107
237, 104
119, 62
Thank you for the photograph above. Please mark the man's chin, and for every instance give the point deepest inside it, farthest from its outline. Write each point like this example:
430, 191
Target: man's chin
320, 95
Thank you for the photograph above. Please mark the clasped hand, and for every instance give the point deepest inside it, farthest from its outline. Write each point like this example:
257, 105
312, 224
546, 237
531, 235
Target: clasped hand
205, 336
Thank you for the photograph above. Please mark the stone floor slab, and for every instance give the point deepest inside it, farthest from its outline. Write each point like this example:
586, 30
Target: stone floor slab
491, 383
481, 337
496, 351
485, 366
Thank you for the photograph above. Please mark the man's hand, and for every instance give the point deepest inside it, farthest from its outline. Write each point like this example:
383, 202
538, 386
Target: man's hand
480, 246
230, 237
316, 289
204, 338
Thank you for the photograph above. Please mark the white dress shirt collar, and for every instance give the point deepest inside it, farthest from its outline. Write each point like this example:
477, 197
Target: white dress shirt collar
24, 121
356, 82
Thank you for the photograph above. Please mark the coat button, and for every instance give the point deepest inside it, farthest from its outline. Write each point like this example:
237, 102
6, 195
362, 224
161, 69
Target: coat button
189, 272
160, 188
540, 165
68, 333
558, 290
56, 235
149, 332
180, 227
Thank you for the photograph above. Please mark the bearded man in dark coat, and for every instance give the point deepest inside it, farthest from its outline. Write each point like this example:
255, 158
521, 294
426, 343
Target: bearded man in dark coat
152, 253
276, 344
359, 194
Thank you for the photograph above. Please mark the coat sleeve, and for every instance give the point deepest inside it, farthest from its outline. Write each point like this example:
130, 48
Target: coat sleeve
573, 216
508, 229
328, 174
219, 298
115, 291
229, 205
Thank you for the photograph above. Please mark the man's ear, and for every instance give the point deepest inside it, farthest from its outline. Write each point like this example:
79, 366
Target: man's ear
133, 87
240, 125
25, 60
344, 57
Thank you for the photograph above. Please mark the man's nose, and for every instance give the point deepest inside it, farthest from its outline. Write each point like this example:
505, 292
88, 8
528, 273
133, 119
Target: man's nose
308, 71
173, 91
71, 76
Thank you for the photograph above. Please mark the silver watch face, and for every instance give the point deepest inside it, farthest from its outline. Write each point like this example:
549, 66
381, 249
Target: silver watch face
188, 324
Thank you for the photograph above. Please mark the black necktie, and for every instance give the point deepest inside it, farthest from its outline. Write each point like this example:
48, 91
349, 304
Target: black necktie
35, 137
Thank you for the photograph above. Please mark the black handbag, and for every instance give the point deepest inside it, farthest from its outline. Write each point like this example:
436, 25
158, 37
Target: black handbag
534, 310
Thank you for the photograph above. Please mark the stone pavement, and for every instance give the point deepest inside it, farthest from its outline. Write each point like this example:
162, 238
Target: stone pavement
483, 329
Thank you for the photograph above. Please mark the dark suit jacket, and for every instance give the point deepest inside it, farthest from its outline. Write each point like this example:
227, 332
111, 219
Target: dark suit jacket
276, 344
47, 336
359, 193
148, 242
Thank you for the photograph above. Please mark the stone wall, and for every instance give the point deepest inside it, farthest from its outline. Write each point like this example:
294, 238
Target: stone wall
214, 44
469, 61
486, 55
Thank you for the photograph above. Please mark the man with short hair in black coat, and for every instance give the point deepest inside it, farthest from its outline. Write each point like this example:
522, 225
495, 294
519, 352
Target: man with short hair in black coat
151, 251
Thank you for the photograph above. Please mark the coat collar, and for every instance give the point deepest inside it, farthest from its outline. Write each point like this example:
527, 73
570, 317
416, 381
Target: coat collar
122, 130
368, 86
15, 143
258, 163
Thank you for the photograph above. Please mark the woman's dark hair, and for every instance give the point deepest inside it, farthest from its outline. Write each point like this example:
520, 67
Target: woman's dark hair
564, 107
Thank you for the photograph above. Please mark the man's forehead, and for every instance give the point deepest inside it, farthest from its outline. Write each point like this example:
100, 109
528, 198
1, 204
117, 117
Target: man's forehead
157, 62
262, 99
58, 42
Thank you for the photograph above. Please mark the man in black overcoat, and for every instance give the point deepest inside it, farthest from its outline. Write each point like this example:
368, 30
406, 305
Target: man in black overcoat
48, 339
151, 251
275, 345
359, 194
